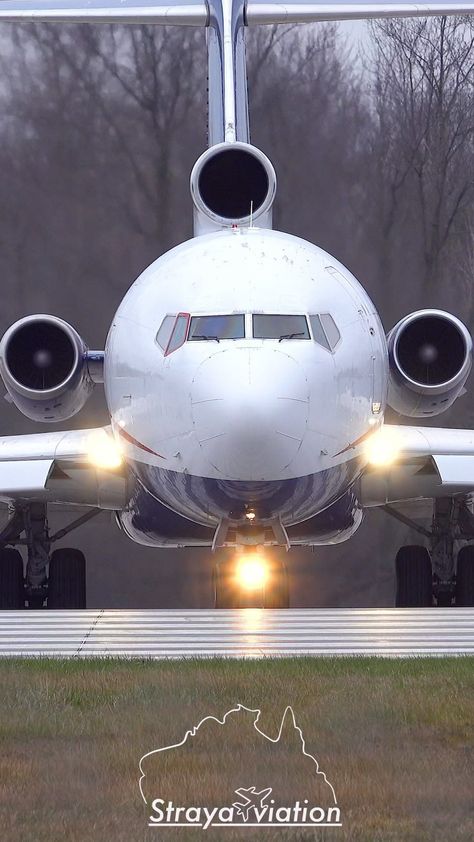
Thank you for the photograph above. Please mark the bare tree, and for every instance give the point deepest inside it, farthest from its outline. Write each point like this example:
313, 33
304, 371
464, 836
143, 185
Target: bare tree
424, 131
100, 126
141, 89
308, 115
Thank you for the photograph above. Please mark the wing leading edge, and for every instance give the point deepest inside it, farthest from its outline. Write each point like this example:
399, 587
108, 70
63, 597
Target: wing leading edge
296, 12
105, 11
198, 13
429, 462
56, 467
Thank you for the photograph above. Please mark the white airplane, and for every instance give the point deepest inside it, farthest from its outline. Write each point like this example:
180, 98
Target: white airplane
246, 374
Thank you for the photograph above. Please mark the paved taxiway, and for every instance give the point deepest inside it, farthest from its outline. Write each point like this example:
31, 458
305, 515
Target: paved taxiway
239, 633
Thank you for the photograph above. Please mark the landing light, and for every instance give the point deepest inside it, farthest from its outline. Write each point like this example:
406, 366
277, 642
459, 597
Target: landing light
103, 451
252, 572
383, 447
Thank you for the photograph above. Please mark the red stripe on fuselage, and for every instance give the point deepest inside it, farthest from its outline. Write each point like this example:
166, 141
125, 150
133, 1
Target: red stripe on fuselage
356, 443
137, 443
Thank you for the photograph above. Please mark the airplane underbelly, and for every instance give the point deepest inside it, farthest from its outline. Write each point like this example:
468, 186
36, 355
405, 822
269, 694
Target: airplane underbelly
207, 500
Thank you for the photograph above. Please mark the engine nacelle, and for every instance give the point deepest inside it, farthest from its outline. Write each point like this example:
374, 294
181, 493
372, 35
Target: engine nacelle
430, 354
43, 362
232, 184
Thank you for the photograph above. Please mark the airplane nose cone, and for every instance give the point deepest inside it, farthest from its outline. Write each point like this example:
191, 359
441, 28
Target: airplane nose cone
250, 410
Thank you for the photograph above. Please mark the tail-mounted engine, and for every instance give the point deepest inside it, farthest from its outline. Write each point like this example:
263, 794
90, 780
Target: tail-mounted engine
45, 367
232, 185
430, 354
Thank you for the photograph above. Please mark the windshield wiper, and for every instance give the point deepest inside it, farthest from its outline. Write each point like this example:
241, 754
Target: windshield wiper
291, 335
202, 336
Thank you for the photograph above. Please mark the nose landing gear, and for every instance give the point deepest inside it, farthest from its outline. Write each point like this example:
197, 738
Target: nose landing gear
251, 581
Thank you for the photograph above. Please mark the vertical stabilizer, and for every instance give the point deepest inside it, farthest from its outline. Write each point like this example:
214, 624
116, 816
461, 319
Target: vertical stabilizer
227, 73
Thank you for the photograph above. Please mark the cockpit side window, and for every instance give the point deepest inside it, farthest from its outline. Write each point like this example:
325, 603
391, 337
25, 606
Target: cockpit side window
325, 331
318, 332
266, 326
217, 327
164, 334
330, 329
178, 336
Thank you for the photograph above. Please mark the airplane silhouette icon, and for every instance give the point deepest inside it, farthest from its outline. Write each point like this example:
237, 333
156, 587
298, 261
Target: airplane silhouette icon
255, 800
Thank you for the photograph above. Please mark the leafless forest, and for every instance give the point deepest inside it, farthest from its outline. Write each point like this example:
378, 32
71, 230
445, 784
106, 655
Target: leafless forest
100, 126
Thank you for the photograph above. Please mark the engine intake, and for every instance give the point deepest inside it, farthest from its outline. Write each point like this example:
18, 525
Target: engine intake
232, 184
430, 354
43, 362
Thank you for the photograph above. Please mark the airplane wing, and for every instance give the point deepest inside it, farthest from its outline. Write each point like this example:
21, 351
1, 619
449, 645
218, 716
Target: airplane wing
79, 466
293, 11
192, 13
416, 463
197, 12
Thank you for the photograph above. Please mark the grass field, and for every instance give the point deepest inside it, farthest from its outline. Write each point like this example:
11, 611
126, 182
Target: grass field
396, 738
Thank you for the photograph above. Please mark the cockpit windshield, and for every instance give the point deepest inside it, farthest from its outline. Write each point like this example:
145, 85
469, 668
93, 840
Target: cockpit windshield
280, 327
175, 330
217, 327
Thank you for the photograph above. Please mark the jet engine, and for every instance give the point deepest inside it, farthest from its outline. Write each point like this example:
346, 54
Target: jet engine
430, 354
43, 362
232, 184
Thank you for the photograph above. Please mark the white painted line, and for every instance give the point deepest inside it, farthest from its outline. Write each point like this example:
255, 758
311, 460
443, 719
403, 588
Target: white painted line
248, 632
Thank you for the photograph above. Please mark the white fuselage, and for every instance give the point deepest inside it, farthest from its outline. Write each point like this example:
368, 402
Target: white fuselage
245, 411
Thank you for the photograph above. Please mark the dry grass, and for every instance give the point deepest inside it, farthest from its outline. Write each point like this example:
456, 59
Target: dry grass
395, 737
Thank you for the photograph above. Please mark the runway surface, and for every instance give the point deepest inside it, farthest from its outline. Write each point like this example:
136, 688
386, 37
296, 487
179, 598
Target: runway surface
240, 633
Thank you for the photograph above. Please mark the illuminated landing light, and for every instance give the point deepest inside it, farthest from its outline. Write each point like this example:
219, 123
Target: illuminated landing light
250, 515
383, 447
252, 572
103, 451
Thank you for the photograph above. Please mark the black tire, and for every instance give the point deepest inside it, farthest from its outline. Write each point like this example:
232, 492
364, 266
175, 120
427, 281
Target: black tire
445, 599
465, 578
414, 578
12, 591
67, 579
277, 593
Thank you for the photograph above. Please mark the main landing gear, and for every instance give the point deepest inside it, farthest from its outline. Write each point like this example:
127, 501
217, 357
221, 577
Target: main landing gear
251, 580
438, 575
52, 579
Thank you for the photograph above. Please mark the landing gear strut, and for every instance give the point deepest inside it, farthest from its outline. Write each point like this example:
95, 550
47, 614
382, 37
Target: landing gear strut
438, 576
51, 580
35, 526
